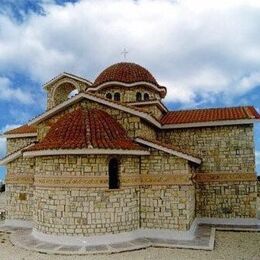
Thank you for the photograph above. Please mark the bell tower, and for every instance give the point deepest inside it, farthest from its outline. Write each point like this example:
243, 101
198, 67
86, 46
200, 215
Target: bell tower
64, 87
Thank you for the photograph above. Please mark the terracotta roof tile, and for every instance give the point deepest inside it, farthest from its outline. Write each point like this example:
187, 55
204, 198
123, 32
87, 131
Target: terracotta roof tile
210, 114
125, 72
24, 129
86, 129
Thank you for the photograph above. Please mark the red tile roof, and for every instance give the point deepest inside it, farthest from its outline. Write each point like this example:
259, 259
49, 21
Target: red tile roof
86, 129
125, 72
24, 129
210, 114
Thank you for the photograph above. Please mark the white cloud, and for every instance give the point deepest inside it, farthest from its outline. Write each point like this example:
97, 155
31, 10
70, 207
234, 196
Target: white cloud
15, 94
8, 127
257, 155
199, 48
3, 139
2, 147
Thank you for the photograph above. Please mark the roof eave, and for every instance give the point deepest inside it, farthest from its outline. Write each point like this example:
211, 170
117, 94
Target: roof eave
211, 123
89, 151
65, 74
152, 102
24, 135
161, 89
169, 151
13, 156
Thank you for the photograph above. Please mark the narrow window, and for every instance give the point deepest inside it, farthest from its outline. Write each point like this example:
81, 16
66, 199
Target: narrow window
146, 96
113, 174
117, 96
109, 95
138, 96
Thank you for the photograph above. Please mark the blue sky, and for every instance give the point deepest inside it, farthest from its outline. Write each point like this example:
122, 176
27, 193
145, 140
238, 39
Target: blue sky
207, 53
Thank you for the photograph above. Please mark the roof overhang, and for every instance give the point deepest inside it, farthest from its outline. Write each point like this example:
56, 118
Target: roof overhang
89, 151
211, 123
162, 90
11, 157
65, 74
150, 102
25, 135
169, 151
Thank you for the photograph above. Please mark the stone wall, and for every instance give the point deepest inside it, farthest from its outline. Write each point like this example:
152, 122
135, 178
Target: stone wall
159, 162
19, 188
171, 206
167, 207
91, 211
19, 201
87, 210
152, 109
14, 144
222, 149
226, 200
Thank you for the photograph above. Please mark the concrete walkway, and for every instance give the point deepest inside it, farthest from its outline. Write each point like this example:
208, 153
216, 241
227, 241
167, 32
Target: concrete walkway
22, 237
204, 239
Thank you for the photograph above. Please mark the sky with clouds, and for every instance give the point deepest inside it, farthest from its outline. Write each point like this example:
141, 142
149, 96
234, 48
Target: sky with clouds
207, 53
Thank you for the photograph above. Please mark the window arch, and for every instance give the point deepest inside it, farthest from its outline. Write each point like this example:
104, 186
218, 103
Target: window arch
138, 96
146, 96
109, 96
117, 96
113, 174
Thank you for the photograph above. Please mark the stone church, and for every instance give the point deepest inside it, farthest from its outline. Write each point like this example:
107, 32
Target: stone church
109, 157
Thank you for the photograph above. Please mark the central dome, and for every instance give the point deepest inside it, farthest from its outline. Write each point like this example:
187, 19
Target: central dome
125, 72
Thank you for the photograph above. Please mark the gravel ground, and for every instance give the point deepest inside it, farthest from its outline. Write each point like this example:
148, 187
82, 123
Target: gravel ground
228, 245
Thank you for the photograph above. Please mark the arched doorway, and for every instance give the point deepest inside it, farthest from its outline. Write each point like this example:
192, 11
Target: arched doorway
113, 174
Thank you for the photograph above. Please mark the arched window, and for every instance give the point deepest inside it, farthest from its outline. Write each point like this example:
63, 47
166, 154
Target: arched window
138, 96
109, 95
113, 174
117, 96
146, 96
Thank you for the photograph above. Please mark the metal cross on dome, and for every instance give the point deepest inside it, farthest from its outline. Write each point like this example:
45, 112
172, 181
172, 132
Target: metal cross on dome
124, 52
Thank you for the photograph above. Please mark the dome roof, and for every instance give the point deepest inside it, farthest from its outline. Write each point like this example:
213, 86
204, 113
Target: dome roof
125, 72
85, 129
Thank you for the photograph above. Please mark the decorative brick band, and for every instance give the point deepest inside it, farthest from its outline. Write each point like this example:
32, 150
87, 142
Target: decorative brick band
166, 179
19, 179
224, 177
102, 181
127, 180
72, 181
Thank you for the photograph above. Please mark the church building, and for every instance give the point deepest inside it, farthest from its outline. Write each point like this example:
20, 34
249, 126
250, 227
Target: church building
108, 157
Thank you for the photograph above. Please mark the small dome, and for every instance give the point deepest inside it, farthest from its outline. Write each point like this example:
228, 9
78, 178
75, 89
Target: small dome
83, 129
125, 72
